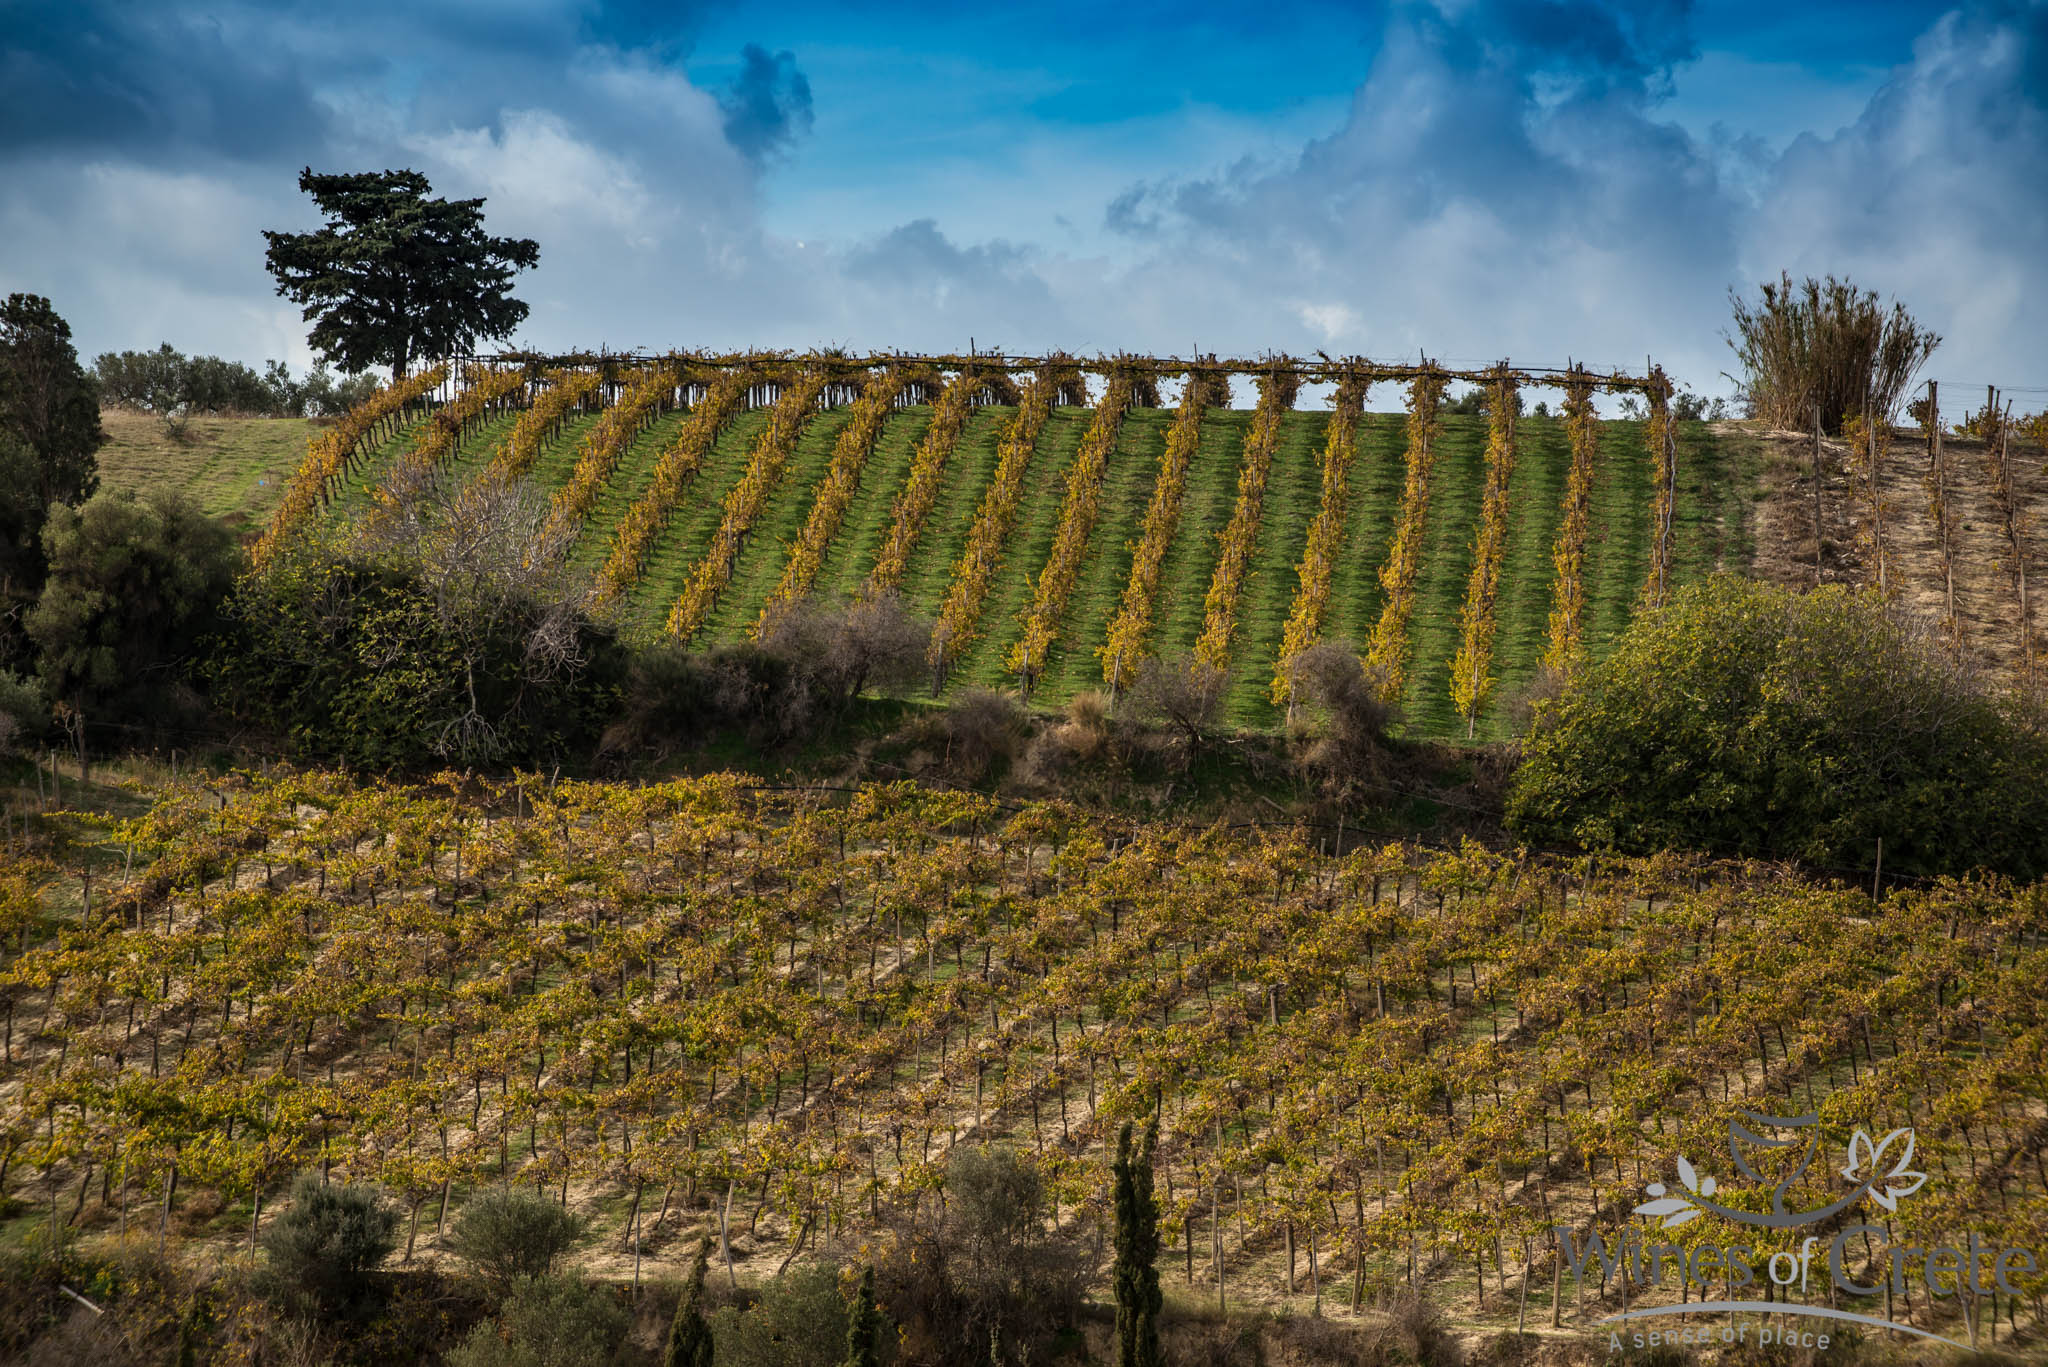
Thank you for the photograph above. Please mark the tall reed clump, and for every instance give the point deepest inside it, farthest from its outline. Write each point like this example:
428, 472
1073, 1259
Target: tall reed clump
1825, 344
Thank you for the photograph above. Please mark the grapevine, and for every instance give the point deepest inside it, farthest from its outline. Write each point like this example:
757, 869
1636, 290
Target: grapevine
1277, 389
992, 520
538, 425
1387, 1058
634, 537
1568, 599
330, 454
1387, 655
1125, 645
1995, 428
1664, 456
1325, 535
850, 453
1077, 519
482, 390
1472, 667
743, 504
607, 442
921, 489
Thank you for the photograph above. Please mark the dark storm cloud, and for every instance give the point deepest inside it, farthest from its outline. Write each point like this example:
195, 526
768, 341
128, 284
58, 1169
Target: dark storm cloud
661, 28
768, 105
148, 80
1501, 185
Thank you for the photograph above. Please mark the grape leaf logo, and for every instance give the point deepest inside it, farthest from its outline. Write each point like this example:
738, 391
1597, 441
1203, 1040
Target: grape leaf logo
1880, 1169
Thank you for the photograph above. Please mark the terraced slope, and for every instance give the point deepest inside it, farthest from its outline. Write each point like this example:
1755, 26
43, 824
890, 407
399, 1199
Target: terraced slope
1711, 531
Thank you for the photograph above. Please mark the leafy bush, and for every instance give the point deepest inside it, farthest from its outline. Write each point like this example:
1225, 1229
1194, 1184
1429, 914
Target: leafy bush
507, 1235
323, 1247
799, 1321
548, 1322
1745, 719
1825, 344
24, 711
982, 726
987, 1260
808, 667
134, 583
845, 650
453, 630
1337, 727
49, 432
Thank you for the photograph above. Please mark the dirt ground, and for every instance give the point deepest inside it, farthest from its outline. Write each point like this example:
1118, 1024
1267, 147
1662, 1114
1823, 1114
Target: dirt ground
1978, 569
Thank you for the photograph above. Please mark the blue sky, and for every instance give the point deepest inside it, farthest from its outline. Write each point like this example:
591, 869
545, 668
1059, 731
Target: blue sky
1537, 179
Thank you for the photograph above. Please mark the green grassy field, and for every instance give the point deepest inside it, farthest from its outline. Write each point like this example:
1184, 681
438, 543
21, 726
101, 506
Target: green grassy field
234, 468
1711, 531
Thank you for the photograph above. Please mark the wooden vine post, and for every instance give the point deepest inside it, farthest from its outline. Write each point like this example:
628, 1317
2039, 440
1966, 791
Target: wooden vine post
1939, 511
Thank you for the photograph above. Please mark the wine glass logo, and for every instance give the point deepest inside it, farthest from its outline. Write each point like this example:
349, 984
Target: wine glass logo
1880, 1169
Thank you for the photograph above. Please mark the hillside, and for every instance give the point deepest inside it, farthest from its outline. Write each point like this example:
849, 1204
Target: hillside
1716, 474
235, 468
1372, 1067
1967, 586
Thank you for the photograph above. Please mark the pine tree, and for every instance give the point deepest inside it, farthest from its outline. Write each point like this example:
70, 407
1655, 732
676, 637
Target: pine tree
689, 1337
1136, 1277
864, 1326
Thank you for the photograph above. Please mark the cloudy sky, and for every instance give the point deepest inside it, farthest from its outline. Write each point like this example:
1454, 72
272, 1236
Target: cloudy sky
1535, 179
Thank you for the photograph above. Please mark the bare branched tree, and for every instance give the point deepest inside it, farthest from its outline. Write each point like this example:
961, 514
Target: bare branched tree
1183, 693
494, 566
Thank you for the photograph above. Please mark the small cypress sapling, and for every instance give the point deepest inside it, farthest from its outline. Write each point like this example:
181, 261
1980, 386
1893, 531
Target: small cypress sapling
1135, 1278
689, 1336
865, 1325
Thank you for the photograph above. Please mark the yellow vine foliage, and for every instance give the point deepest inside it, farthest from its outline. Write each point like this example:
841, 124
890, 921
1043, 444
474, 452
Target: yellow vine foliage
1276, 395
674, 468
1125, 644
1387, 656
328, 457
566, 389
1325, 535
1077, 519
1472, 667
856, 442
1663, 454
921, 486
483, 388
1568, 596
607, 442
744, 503
993, 520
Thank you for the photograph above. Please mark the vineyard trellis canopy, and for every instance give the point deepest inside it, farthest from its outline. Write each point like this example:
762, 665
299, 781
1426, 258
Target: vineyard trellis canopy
597, 497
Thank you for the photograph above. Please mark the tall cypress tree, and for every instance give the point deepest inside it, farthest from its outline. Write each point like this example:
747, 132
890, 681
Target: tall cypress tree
864, 1326
1135, 1277
689, 1336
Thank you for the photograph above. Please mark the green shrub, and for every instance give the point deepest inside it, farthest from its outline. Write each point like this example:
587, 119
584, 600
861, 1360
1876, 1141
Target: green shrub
799, 1321
1744, 719
134, 583
324, 1246
361, 660
507, 1236
547, 1322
